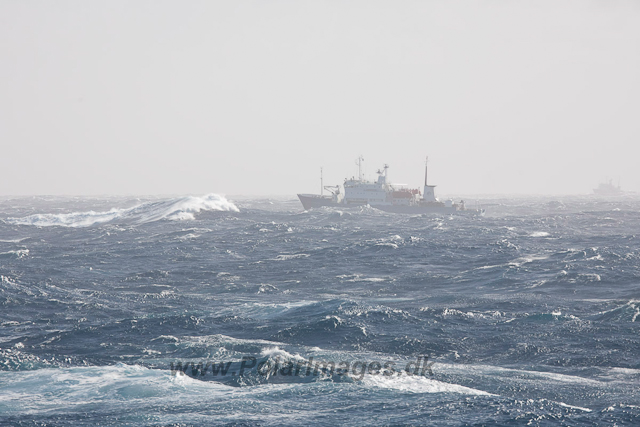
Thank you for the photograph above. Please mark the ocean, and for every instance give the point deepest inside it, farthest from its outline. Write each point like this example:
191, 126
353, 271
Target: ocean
206, 310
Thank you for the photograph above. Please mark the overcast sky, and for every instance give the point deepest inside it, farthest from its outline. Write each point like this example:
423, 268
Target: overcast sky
253, 97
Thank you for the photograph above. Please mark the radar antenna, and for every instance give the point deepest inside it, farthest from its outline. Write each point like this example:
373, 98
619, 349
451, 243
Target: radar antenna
383, 171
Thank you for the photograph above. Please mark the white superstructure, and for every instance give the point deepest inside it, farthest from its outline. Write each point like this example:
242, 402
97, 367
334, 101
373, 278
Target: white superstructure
362, 192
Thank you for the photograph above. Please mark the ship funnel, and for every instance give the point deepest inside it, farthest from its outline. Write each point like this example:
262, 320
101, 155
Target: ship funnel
429, 194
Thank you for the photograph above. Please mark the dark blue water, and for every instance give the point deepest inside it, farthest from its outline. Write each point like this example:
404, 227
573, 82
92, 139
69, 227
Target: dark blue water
530, 314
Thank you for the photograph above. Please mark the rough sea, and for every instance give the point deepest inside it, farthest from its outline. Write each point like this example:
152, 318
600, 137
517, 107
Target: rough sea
244, 311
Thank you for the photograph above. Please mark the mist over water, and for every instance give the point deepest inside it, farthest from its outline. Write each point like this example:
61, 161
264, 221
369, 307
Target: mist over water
529, 314
242, 97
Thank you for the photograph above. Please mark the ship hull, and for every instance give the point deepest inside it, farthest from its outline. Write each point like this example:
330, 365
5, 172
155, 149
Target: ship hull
426, 209
417, 210
314, 201
311, 201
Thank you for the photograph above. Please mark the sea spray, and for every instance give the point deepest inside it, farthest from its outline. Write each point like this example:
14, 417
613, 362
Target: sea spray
181, 208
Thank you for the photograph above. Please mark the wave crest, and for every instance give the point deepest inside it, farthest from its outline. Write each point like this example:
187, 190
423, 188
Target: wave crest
181, 208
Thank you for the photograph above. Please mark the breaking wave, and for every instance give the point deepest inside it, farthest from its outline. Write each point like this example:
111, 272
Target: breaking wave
181, 208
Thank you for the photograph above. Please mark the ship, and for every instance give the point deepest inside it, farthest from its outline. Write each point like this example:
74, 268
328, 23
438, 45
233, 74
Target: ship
607, 189
383, 195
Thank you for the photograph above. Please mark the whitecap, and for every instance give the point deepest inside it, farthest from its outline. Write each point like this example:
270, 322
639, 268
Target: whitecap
539, 234
20, 253
286, 257
418, 384
181, 208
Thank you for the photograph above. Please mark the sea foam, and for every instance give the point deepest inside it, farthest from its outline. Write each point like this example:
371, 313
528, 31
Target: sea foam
181, 208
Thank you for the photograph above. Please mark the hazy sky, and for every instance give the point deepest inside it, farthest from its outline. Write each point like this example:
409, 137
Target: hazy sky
253, 97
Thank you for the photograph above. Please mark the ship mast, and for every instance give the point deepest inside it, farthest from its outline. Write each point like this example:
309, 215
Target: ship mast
360, 160
426, 164
321, 183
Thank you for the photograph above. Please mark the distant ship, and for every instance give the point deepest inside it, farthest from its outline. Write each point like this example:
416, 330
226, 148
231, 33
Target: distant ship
383, 195
607, 189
